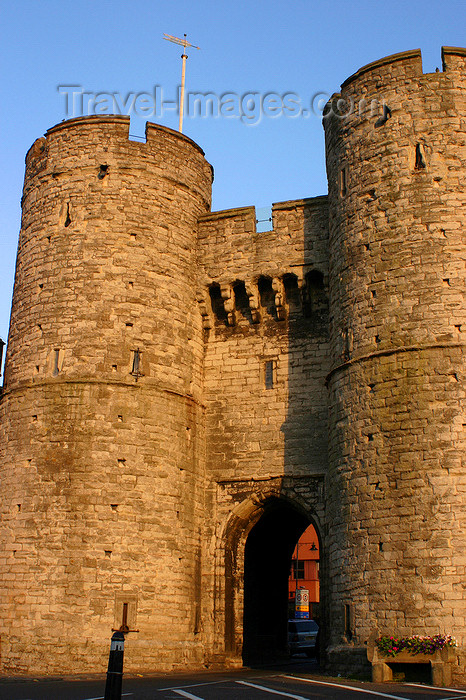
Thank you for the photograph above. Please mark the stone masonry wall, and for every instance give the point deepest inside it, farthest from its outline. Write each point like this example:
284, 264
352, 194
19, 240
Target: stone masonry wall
102, 475
255, 429
397, 291
266, 358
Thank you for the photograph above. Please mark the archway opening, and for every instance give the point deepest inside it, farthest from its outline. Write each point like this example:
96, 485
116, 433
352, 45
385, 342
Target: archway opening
267, 561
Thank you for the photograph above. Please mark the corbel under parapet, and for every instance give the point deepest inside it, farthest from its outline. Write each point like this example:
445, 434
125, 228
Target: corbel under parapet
227, 294
204, 310
254, 303
278, 288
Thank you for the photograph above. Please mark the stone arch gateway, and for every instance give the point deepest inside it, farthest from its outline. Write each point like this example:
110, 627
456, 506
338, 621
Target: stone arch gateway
258, 542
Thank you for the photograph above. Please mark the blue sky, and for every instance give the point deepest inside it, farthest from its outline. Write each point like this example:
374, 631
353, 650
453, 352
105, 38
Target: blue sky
305, 47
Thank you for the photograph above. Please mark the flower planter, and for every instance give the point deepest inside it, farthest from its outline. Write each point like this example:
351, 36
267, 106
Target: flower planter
440, 662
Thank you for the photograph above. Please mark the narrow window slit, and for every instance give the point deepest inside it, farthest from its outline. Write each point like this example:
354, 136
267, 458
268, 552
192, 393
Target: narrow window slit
56, 358
347, 343
136, 367
348, 622
343, 182
420, 163
124, 618
68, 217
269, 374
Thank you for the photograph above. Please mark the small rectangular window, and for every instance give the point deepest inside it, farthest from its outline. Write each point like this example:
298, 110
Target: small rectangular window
298, 569
269, 374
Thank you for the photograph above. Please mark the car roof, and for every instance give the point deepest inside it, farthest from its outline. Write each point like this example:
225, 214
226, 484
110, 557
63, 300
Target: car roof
302, 621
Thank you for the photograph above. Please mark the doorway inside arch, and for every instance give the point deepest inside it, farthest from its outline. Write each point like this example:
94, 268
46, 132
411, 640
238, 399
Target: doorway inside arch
267, 563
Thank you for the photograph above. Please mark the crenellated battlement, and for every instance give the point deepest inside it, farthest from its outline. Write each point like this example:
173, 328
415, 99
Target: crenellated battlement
244, 281
122, 124
453, 59
407, 63
104, 142
404, 65
395, 86
230, 246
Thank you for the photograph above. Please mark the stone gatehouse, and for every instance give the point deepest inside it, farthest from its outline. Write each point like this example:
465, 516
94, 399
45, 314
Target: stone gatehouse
183, 395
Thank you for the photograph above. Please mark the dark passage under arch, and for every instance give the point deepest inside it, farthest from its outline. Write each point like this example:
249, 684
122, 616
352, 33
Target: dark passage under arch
267, 560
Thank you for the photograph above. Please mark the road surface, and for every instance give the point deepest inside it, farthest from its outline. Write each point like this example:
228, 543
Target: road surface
298, 683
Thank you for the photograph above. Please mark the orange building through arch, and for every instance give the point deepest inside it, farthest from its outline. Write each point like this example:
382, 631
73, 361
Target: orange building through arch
304, 571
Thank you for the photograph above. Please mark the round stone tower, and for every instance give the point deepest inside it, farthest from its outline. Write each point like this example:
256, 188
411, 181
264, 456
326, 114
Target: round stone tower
395, 164
101, 464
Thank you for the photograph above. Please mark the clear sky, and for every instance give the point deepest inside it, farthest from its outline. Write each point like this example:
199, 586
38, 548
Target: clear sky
304, 47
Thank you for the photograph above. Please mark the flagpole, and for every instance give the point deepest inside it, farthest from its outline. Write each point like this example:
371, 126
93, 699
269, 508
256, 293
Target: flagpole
184, 57
184, 43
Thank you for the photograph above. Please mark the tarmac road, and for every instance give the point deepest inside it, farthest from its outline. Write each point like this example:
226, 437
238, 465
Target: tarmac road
298, 682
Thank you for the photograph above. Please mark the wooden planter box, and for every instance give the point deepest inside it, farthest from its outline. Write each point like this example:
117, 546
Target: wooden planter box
440, 663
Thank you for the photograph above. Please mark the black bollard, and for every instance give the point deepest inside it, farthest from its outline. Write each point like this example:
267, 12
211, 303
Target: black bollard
115, 667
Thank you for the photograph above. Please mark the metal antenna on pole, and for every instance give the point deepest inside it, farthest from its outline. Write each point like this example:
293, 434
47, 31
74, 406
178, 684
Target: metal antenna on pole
184, 43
